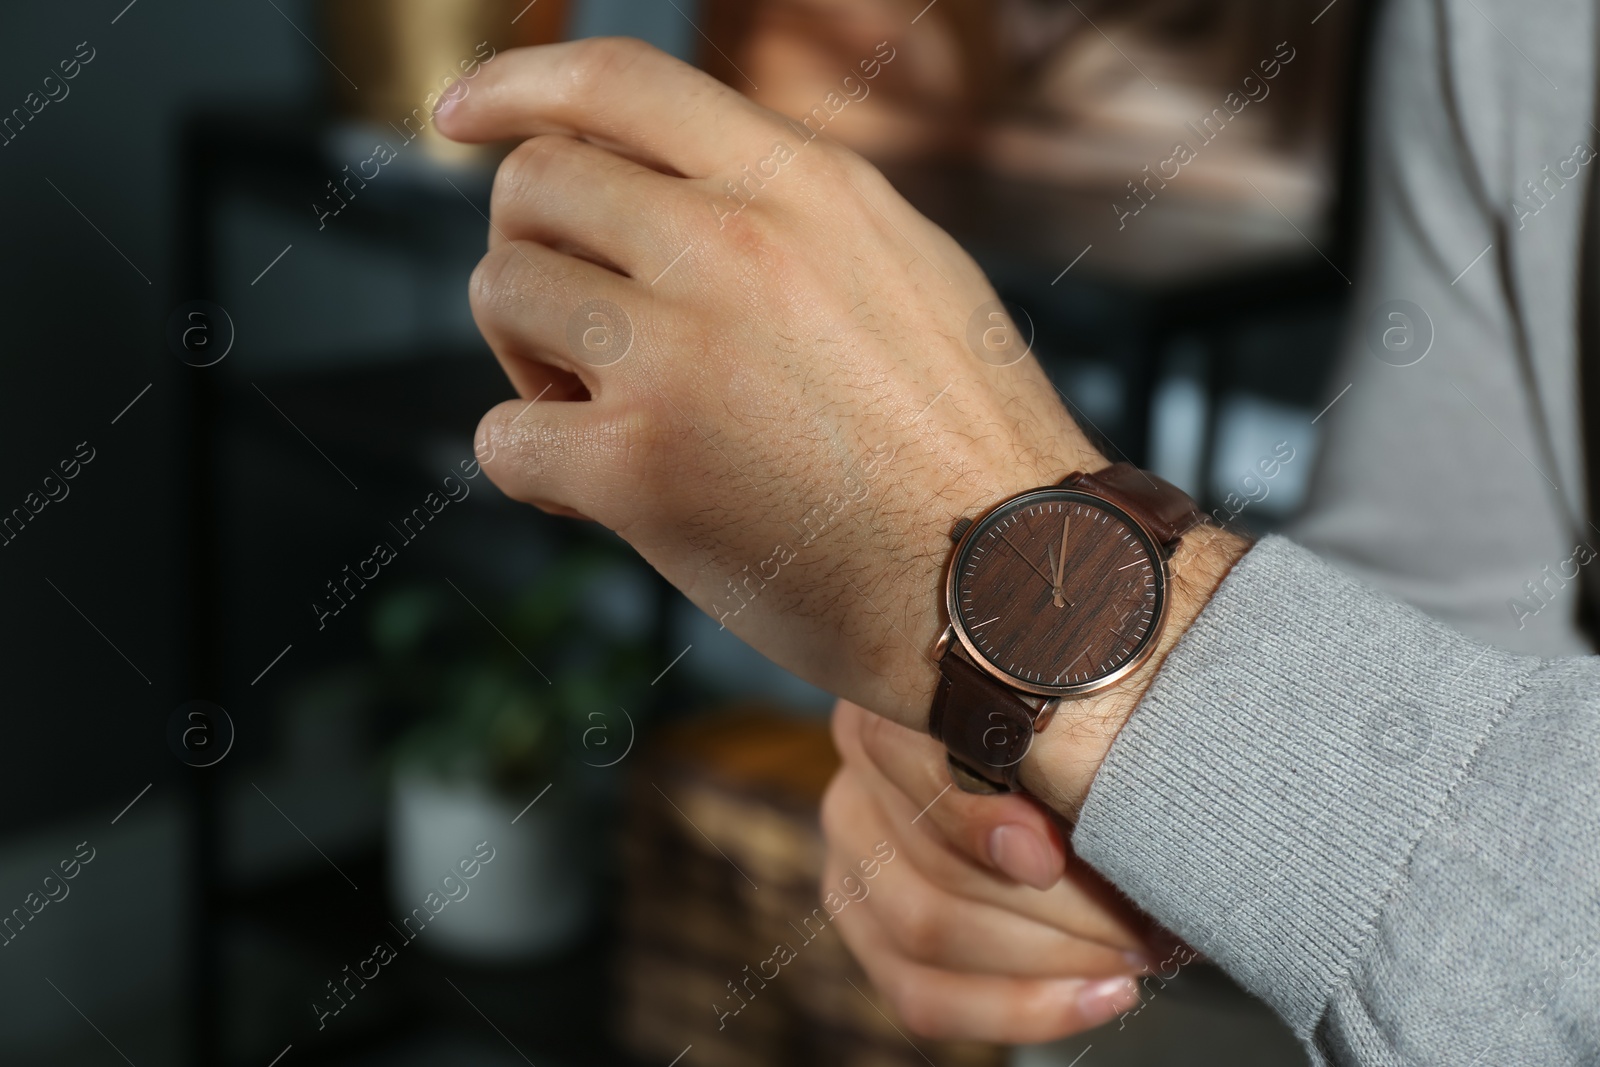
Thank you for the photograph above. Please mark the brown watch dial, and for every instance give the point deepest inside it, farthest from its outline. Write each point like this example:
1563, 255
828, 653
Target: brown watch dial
1057, 591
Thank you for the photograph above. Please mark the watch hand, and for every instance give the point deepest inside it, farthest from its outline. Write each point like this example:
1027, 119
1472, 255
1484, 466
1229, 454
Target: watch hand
1061, 565
1024, 555
1056, 595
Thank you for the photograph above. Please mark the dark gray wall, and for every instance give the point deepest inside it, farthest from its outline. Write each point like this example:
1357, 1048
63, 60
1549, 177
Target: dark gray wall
80, 333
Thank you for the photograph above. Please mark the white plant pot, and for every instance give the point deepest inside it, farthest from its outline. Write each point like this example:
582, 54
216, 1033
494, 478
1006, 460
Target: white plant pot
529, 899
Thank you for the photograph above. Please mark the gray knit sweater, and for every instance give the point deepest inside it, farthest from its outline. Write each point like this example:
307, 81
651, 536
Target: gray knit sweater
1386, 830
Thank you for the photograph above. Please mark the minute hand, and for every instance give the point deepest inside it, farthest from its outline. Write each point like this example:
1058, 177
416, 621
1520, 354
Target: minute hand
1061, 566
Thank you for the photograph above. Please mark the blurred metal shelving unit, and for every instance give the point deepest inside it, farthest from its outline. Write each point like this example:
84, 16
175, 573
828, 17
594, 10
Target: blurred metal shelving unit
377, 415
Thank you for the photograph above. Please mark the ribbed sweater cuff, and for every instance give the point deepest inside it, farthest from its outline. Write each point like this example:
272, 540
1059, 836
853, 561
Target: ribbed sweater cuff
1264, 797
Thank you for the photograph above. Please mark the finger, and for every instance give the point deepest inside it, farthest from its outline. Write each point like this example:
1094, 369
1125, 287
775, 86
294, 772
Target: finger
1008, 834
927, 924
939, 1003
617, 92
530, 304
581, 199
1082, 903
563, 457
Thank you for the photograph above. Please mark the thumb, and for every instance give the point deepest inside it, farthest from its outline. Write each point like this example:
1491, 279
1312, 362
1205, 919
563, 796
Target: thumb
1013, 835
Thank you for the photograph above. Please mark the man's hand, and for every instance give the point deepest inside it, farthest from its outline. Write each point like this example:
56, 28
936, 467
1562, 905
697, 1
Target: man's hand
743, 351
798, 418
973, 932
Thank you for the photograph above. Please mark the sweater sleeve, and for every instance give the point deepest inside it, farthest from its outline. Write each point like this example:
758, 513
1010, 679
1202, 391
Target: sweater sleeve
1387, 832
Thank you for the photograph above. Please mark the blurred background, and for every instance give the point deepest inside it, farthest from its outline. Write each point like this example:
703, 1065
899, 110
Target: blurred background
504, 750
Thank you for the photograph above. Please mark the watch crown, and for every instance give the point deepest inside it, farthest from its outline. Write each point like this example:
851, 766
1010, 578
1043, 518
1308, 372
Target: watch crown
959, 530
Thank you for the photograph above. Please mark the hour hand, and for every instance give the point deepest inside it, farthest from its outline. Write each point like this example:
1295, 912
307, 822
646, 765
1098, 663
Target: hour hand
1057, 597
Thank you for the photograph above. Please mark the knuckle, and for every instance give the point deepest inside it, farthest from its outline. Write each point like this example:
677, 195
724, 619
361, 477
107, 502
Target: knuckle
844, 727
838, 726
492, 285
524, 170
490, 447
834, 164
915, 923
875, 738
921, 1014
835, 809
595, 62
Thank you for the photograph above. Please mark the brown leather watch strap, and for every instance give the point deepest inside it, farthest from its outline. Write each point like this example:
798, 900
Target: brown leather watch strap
1161, 507
986, 727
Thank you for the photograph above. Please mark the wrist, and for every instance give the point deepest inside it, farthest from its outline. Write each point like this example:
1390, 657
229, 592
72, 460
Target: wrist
1065, 757
913, 673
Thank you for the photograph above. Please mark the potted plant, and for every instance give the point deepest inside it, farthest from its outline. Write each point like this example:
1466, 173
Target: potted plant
505, 698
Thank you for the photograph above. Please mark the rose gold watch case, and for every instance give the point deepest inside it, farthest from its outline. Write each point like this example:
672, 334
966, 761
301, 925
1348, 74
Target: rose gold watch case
958, 631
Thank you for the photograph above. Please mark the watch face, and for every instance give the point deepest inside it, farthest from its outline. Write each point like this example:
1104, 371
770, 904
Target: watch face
1058, 591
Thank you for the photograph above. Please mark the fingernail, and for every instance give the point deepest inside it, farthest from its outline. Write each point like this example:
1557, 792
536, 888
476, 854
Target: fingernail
1138, 961
1100, 1002
1019, 854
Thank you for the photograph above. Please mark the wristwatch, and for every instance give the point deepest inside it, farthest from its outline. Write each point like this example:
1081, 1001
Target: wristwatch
1051, 594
